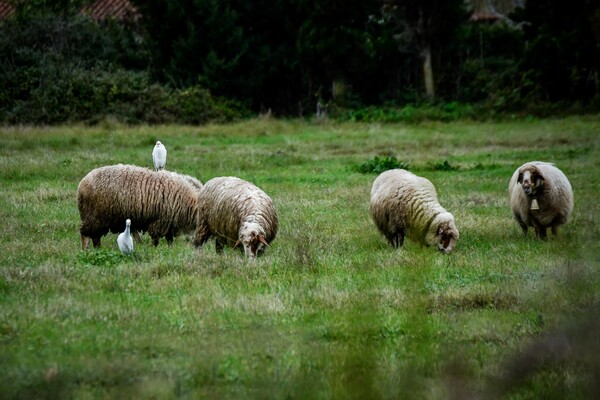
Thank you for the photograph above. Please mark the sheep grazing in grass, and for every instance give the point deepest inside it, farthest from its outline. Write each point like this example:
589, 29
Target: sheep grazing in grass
124, 240
403, 204
162, 203
159, 156
236, 212
194, 182
540, 196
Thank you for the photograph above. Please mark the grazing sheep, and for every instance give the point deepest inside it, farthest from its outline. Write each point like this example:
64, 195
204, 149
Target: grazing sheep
403, 204
540, 196
236, 212
196, 184
161, 203
124, 240
159, 156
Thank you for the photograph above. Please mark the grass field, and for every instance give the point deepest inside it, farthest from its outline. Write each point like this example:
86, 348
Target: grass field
330, 311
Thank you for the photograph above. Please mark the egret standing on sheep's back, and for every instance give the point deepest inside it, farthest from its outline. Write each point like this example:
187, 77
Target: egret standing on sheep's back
125, 241
159, 156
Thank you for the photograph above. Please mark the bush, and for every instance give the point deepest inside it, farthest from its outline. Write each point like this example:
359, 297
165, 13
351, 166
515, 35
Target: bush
410, 113
85, 72
380, 164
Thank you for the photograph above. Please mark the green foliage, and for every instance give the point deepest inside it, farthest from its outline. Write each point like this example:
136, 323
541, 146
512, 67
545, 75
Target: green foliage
562, 53
443, 166
411, 113
194, 61
380, 164
89, 72
100, 258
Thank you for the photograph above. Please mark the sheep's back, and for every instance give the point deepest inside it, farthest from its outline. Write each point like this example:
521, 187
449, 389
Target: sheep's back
228, 201
402, 199
108, 195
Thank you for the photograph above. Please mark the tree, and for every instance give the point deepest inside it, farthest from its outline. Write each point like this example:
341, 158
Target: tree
563, 51
423, 27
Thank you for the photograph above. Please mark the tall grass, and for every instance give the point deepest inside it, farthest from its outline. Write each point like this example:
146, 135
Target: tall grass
330, 311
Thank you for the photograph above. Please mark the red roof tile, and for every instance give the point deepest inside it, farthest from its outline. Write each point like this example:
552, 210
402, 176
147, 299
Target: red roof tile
6, 10
122, 10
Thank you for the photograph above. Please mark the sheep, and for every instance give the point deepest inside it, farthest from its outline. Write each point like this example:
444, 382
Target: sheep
161, 203
194, 182
159, 156
403, 204
540, 196
124, 240
236, 212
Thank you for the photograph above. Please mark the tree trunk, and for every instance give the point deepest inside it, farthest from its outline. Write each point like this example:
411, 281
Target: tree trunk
428, 72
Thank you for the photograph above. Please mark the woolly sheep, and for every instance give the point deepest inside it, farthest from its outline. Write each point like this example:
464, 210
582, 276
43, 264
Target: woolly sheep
159, 156
403, 204
194, 182
161, 203
540, 196
236, 212
124, 240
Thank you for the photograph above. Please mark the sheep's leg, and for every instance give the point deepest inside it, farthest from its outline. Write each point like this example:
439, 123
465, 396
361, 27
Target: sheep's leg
169, 236
219, 245
522, 224
396, 240
202, 234
556, 223
85, 242
96, 241
155, 240
137, 236
540, 232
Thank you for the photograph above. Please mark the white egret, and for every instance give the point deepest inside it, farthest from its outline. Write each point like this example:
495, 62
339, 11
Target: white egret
159, 156
125, 241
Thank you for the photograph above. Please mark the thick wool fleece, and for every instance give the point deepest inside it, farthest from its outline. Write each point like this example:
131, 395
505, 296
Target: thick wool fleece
230, 203
161, 203
403, 204
552, 192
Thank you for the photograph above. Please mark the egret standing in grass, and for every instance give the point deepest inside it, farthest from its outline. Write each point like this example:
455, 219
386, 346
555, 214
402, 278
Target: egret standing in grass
125, 241
159, 156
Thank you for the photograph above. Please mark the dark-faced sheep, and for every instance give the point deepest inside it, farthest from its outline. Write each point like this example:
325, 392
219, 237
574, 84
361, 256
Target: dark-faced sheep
162, 203
405, 205
540, 196
236, 212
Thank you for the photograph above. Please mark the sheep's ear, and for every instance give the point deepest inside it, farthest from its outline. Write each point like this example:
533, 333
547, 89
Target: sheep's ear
239, 241
520, 179
539, 177
261, 239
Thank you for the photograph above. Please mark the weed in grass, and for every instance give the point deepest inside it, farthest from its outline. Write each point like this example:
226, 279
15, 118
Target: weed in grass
381, 164
102, 258
443, 166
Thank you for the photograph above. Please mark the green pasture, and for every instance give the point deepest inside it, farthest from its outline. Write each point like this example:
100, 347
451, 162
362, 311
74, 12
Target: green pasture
330, 311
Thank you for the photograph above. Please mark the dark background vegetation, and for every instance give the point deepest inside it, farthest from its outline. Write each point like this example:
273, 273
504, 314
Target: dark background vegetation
194, 61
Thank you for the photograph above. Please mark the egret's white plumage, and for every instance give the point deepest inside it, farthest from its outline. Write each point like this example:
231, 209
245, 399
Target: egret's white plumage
125, 241
159, 156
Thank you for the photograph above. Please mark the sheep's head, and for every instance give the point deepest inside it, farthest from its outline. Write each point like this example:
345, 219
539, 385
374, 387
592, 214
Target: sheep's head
443, 233
252, 237
531, 180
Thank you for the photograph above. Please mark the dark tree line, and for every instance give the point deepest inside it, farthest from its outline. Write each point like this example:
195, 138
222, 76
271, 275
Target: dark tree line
289, 55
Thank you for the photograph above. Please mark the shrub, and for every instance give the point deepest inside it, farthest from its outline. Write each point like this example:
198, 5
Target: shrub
443, 166
380, 164
86, 72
